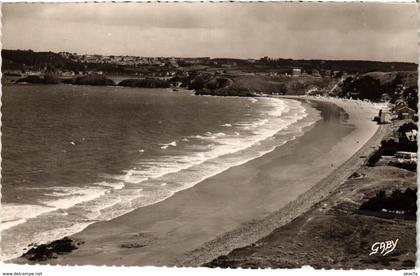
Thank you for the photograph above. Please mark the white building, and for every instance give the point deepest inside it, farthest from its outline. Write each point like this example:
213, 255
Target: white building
296, 72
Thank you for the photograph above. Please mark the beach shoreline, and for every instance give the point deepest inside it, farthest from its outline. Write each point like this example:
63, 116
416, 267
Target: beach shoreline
117, 232
337, 232
258, 229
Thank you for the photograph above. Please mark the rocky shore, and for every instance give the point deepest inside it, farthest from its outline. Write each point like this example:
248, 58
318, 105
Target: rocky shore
51, 250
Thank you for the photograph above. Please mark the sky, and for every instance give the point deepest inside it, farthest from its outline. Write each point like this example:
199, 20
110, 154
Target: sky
359, 31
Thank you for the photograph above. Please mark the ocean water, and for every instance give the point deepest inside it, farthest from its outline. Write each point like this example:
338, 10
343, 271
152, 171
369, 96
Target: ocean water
75, 155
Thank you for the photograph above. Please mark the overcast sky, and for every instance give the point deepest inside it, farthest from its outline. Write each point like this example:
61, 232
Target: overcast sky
361, 31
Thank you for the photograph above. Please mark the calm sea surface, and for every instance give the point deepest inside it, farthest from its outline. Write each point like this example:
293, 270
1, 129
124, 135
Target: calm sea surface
74, 155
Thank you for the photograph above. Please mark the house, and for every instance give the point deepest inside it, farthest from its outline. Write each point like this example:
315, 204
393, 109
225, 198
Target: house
296, 72
399, 103
384, 116
327, 73
411, 135
316, 74
173, 62
404, 112
406, 156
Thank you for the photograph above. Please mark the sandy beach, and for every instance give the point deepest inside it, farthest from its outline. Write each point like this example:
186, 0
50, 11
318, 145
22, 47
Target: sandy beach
336, 232
241, 205
361, 142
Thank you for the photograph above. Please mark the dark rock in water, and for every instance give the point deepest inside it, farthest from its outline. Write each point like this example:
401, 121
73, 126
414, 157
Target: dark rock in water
97, 80
44, 252
145, 83
47, 79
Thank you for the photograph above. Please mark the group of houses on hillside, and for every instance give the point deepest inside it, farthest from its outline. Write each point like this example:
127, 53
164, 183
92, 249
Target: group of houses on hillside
401, 111
398, 111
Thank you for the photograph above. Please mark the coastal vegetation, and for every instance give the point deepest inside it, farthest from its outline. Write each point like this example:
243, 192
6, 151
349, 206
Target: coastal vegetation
403, 202
376, 86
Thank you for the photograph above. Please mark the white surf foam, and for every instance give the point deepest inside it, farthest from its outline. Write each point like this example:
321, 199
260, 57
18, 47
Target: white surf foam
14, 214
165, 146
152, 181
60, 198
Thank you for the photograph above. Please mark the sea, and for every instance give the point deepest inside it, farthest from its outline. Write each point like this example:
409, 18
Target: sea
76, 155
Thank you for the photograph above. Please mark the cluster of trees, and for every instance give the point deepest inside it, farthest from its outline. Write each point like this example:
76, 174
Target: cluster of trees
25, 60
397, 201
393, 86
362, 88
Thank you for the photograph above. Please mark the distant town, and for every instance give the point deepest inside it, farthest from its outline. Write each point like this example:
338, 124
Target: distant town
30, 62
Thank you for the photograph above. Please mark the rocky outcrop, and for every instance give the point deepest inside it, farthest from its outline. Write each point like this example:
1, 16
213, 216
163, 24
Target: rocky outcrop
44, 252
46, 79
145, 83
83, 80
97, 80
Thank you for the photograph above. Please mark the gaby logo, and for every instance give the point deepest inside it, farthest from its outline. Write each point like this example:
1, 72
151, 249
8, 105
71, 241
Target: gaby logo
383, 248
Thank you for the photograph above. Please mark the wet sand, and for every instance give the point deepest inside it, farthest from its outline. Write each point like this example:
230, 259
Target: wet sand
196, 225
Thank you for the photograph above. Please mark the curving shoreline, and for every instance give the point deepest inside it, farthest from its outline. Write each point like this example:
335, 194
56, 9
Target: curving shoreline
259, 147
169, 230
258, 229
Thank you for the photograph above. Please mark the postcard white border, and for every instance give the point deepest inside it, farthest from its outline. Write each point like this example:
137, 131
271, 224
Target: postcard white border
48, 270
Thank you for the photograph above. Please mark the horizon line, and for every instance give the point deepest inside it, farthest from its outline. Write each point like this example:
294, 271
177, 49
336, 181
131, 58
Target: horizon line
203, 56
